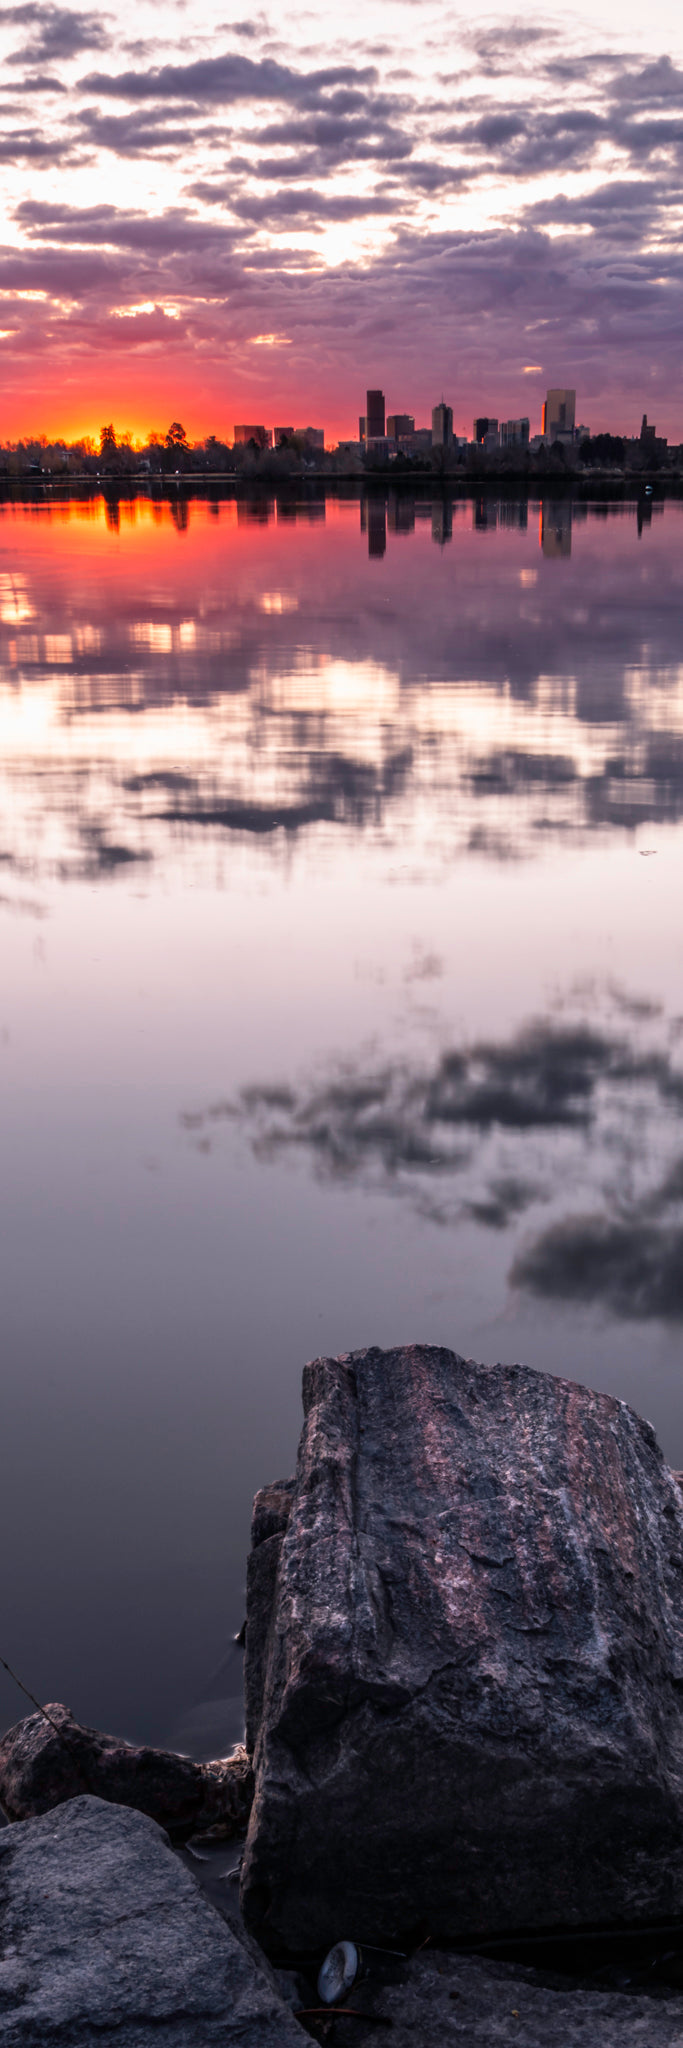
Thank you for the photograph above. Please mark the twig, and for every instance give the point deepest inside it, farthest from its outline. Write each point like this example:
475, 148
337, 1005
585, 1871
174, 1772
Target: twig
47, 1717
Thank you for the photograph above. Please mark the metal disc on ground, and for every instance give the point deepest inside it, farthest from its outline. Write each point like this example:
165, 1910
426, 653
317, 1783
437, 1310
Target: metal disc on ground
338, 1972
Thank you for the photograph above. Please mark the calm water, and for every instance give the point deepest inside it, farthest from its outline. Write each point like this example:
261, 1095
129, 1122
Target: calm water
341, 853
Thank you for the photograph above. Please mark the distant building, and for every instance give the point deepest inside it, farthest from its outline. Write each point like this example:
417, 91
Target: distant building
417, 443
483, 426
313, 436
559, 413
374, 416
648, 436
399, 423
261, 435
514, 433
442, 426
281, 434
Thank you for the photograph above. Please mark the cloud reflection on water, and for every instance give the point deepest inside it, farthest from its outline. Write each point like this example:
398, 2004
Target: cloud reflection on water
469, 697
494, 1132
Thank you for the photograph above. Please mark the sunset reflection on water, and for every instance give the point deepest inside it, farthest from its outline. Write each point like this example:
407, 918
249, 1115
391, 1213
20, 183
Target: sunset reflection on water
339, 887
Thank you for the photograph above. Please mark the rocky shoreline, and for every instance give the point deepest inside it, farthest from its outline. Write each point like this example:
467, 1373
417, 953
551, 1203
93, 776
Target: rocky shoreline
464, 1752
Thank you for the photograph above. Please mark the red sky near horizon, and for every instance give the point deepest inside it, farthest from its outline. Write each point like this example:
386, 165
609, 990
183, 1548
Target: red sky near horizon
221, 220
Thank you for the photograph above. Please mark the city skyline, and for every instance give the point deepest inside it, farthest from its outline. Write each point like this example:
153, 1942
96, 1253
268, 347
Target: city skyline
199, 211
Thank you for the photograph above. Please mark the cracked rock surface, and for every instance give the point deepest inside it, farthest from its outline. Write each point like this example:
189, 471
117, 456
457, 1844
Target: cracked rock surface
464, 1660
106, 1938
456, 2002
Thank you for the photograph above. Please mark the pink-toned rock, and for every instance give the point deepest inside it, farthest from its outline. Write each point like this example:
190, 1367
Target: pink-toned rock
43, 1762
464, 1659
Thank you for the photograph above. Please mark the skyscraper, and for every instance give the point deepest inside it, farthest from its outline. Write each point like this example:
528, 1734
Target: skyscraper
442, 426
374, 415
514, 433
559, 413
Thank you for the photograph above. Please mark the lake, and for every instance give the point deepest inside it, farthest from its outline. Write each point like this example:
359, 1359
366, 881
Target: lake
341, 852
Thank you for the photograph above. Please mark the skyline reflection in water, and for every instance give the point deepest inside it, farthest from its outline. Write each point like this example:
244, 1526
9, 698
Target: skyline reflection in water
339, 898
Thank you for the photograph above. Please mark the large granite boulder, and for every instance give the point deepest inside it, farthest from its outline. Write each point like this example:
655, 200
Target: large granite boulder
464, 1659
49, 1757
106, 1938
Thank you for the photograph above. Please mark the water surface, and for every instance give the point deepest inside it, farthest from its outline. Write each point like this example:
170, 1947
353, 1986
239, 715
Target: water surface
340, 904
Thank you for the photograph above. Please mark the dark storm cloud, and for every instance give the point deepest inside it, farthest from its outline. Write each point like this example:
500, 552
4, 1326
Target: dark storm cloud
54, 32
228, 79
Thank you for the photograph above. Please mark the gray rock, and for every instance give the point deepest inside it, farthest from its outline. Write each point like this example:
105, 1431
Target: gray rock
269, 1522
105, 1938
466, 1695
43, 1762
455, 2002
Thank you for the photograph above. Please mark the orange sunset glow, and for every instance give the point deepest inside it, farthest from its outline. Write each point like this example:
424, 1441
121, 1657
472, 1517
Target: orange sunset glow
219, 221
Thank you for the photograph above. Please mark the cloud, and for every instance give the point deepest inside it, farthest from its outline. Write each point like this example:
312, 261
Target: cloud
312, 205
227, 79
256, 136
136, 134
54, 32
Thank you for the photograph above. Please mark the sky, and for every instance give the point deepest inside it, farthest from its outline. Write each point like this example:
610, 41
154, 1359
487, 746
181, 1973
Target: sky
225, 218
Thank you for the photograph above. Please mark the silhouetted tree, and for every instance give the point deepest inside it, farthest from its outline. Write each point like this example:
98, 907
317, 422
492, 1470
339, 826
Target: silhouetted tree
603, 448
107, 440
176, 436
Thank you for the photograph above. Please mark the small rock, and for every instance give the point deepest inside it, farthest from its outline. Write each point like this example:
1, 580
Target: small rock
42, 1764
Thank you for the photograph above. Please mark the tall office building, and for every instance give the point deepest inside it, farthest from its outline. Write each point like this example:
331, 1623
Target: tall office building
398, 424
263, 436
514, 433
374, 416
559, 414
483, 426
442, 426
